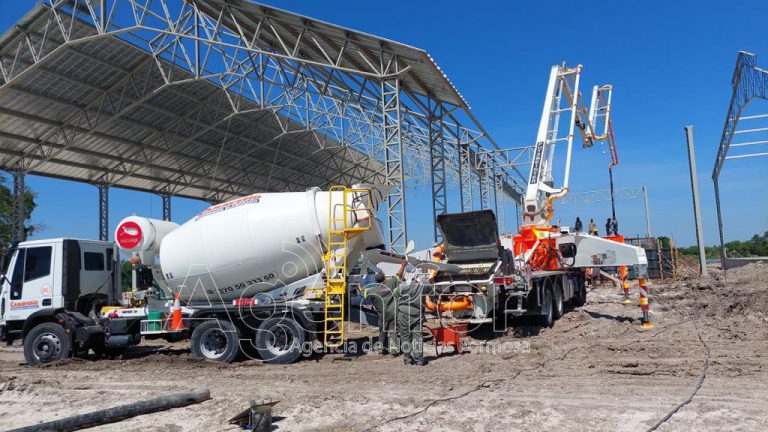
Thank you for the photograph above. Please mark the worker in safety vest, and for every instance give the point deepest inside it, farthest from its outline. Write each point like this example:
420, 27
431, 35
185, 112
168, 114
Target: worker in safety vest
383, 296
410, 319
592, 227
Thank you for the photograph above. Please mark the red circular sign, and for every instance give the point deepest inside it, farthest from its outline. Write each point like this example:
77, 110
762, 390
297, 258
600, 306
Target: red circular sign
128, 235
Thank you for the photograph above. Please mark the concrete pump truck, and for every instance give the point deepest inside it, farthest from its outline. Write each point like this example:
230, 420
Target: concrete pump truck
537, 270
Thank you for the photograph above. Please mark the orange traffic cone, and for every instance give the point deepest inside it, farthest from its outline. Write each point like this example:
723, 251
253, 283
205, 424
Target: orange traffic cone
176, 322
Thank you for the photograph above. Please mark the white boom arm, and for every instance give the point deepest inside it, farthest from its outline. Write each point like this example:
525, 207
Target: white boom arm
563, 96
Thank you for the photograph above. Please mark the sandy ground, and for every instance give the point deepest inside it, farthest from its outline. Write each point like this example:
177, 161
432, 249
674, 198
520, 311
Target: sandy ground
596, 369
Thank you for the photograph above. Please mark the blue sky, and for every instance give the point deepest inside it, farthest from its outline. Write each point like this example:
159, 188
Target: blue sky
670, 63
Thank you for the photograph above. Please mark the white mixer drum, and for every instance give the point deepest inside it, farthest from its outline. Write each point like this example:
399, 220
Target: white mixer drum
248, 245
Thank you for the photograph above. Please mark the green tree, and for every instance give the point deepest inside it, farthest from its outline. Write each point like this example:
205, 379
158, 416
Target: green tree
6, 211
126, 276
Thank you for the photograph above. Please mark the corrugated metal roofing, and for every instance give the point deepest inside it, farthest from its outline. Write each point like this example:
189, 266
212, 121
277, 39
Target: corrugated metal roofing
96, 112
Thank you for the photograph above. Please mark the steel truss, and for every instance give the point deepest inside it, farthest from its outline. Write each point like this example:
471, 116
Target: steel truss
437, 158
362, 102
749, 82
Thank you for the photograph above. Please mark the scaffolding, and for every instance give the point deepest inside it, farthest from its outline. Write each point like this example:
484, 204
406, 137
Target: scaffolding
212, 99
748, 82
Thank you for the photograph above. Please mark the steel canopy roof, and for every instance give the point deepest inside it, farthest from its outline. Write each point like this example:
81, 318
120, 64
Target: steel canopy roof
322, 43
99, 112
211, 99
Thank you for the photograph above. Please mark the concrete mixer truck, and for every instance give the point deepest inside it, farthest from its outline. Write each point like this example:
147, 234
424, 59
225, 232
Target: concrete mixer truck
245, 276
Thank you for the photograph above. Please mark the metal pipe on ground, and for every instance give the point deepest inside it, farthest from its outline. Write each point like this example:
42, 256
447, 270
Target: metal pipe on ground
119, 413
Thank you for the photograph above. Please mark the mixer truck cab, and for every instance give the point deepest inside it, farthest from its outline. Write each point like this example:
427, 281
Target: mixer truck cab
48, 281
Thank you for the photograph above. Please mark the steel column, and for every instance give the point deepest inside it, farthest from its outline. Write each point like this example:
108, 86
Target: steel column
465, 172
498, 208
723, 256
103, 211
19, 208
437, 167
484, 187
647, 213
393, 158
696, 205
166, 206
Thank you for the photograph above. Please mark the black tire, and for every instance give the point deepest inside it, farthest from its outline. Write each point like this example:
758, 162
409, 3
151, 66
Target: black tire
580, 299
47, 343
279, 340
559, 307
216, 340
547, 318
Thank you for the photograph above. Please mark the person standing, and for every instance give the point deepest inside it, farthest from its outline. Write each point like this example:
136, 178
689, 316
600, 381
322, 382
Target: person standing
383, 296
578, 225
592, 227
615, 226
608, 226
410, 318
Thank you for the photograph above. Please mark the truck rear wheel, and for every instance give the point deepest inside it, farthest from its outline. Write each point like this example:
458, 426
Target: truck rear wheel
547, 318
279, 340
216, 340
580, 299
558, 303
46, 343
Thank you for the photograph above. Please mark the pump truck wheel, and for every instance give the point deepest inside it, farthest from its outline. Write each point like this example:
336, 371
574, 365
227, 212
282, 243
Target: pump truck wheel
559, 308
279, 340
46, 343
216, 340
547, 318
580, 299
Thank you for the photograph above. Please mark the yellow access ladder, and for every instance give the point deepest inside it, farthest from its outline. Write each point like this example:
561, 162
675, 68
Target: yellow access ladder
340, 231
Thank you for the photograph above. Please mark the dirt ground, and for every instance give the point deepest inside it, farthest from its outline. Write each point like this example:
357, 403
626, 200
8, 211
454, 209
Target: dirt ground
596, 369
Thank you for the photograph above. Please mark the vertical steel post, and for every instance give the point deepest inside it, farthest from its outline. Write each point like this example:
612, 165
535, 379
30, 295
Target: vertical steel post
166, 207
723, 256
696, 206
647, 214
465, 174
393, 158
497, 209
19, 207
103, 211
484, 183
437, 167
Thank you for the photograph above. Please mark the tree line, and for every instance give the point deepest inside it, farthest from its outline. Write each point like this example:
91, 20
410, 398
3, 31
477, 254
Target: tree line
756, 246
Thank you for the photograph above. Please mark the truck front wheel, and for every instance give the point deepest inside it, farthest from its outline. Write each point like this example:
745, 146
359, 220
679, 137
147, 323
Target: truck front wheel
279, 340
216, 340
46, 343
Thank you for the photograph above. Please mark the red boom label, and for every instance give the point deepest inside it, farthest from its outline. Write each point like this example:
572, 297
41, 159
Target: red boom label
128, 235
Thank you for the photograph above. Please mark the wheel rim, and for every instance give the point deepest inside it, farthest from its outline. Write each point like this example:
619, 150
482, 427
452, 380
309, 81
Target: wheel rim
279, 340
214, 343
47, 347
